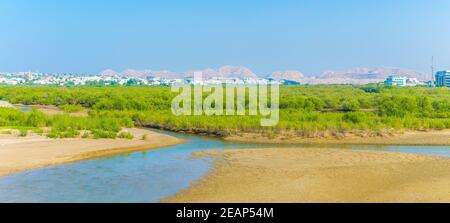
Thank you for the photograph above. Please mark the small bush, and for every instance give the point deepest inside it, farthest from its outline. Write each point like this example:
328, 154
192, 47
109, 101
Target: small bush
98, 134
86, 135
23, 132
71, 108
67, 133
38, 131
125, 135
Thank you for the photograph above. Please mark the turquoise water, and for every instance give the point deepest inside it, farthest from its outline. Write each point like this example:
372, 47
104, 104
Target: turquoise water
140, 176
25, 109
136, 177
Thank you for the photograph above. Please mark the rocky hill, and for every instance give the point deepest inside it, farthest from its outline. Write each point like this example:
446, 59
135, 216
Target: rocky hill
351, 76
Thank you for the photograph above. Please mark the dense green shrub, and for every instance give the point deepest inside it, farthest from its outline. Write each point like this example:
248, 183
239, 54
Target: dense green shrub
71, 108
306, 110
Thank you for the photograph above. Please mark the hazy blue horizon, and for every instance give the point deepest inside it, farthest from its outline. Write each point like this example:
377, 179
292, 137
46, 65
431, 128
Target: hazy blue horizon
309, 36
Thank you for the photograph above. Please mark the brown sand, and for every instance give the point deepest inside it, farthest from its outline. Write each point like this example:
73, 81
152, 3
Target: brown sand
23, 153
320, 175
53, 110
434, 137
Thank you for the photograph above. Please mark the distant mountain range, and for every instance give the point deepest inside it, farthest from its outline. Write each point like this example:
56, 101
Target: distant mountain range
365, 75
351, 76
224, 71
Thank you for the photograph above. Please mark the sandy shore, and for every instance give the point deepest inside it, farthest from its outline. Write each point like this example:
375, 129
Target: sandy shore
320, 175
52, 110
435, 137
23, 153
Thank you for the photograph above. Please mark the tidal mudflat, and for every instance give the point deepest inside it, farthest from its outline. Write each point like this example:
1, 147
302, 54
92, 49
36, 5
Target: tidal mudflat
320, 175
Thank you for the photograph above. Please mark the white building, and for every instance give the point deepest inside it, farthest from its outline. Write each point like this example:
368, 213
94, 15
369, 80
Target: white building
396, 81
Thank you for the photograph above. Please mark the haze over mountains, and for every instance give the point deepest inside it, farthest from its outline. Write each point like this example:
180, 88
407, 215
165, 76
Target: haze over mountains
224, 71
351, 76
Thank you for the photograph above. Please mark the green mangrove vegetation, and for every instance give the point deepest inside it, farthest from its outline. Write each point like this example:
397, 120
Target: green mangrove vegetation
308, 111
62, 126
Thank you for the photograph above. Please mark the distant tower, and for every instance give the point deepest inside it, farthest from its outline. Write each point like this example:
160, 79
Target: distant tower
432, 68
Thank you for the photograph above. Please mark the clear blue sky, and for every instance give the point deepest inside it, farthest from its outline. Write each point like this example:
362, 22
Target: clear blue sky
311, 36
